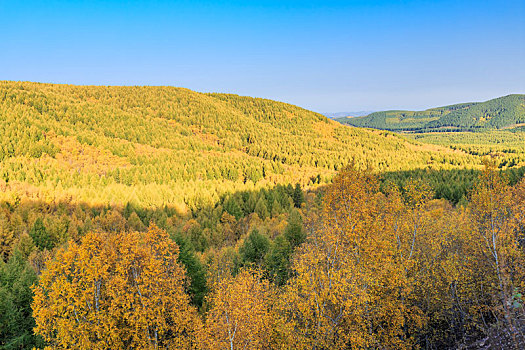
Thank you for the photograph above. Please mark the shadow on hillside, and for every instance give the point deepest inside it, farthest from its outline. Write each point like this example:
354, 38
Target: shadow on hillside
452, 185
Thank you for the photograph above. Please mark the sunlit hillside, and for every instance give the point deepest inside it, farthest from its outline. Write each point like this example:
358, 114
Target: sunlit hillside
507, 146
173, 146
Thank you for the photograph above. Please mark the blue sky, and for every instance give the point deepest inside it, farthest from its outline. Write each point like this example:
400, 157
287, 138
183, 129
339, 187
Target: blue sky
327, 56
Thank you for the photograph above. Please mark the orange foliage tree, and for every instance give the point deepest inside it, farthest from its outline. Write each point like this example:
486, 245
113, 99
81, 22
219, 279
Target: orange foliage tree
115, 291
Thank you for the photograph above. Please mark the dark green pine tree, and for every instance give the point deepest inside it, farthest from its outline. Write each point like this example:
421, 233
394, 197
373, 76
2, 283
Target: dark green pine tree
278, 261
233, 208
298, 196
254, 249
196, 272
41, 237
16, 321
294, 232
261, 208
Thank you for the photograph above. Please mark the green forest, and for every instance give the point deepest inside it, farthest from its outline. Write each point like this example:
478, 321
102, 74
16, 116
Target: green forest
159, 217
499, 113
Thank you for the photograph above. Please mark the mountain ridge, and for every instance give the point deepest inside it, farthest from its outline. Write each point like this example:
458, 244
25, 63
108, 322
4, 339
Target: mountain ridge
497, 113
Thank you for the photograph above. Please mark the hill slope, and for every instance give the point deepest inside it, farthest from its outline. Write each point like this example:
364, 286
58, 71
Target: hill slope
173, 146
498, 113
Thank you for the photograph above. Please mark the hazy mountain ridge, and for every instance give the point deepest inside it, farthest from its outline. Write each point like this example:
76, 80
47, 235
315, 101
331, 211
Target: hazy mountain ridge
335, 115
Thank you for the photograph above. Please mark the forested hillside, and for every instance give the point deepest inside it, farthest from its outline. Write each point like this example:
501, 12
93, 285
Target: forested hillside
503, 112
171, 146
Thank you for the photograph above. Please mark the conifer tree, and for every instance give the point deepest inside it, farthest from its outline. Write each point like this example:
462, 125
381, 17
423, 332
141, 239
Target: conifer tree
298, 196
16, 322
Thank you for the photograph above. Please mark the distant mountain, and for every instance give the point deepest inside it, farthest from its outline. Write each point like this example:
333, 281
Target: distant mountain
498, 113
347, 114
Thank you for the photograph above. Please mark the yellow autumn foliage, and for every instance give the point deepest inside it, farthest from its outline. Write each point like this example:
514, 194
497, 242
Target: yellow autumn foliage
115, 291
242, 315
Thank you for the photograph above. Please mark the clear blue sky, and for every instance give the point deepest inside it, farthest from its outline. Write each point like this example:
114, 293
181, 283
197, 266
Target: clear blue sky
323, 55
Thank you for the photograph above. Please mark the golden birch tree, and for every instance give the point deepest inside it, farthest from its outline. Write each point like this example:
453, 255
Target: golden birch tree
347, 284
241, 315
495, 212
115, 291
